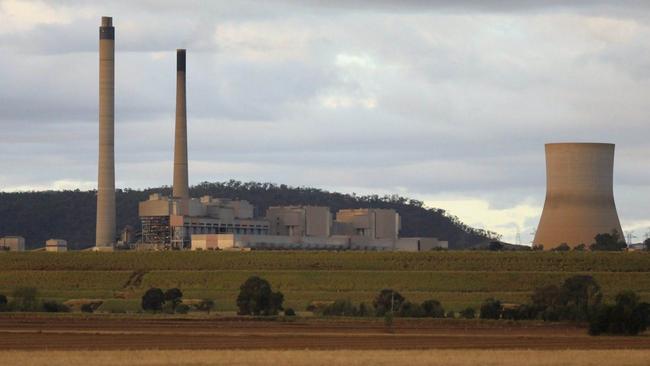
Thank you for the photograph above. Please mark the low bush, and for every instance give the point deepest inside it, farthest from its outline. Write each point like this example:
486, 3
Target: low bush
490, 309
289, 312
206, 305
182, 309
411, 310
468, 313
451, 314
433, 309
52, 306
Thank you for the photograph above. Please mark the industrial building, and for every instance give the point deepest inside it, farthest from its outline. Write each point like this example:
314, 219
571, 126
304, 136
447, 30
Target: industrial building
12, 244
579, 195
182, 222
56, 245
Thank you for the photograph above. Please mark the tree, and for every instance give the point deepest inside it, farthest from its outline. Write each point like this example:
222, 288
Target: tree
3, 302
25, 299
52, 306
646, 244
153, 300
257, 298
289, 312
491, 309
433, 309
174, 297
387, 301
580, 294
608, 242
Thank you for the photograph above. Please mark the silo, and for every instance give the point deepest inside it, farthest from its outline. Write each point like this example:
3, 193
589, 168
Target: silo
579, 195
105, 229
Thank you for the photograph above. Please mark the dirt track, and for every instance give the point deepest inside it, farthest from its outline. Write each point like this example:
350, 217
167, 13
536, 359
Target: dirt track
68, 333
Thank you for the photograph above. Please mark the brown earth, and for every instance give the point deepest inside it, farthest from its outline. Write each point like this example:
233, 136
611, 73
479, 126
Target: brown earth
109, 333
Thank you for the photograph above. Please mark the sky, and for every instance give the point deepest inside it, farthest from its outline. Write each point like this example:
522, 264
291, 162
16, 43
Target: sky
445, 101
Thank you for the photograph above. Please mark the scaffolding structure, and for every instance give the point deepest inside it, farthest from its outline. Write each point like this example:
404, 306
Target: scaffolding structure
156, 230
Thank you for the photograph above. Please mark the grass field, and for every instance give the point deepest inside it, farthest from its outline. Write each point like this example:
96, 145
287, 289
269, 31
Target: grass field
457, 279
312, 357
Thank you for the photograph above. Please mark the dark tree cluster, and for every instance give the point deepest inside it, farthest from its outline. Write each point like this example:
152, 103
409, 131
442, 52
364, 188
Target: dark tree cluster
170, 301
257, 298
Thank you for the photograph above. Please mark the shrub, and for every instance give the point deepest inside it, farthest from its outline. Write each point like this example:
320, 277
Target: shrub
182, 308
3, 303
87, 308
387, 301
257, 298
206, 305
627, 316
153, 300
433, 308
490, 309
174, 297
411, 310
451, 314
580, 248
564, 247
341, 307
289, 312
364, 310
52, 306
25, 299
468, 313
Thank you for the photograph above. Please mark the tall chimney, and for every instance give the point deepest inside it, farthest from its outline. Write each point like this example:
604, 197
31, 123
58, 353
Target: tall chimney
181, 185
105, 234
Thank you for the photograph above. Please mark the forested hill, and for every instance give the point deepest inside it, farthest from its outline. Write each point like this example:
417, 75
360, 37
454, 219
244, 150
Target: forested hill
70, 215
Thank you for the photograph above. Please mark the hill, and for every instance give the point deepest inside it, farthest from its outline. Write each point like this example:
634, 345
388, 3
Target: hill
70, 215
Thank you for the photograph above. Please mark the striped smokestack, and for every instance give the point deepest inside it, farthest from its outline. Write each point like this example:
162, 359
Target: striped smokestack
105, 234
181, 185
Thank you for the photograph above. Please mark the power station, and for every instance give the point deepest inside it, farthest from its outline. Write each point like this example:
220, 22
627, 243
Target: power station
579, 195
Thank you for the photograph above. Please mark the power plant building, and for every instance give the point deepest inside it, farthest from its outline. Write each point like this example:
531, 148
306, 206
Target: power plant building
12, 244
579, 195
56, 245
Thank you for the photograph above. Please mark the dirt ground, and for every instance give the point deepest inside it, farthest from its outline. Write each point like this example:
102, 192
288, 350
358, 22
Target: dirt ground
328, 357
25, 332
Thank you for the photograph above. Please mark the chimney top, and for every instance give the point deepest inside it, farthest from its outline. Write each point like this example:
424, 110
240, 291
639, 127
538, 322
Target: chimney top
107, 21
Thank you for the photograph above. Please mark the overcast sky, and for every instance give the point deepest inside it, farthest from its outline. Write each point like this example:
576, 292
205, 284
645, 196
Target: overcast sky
446, 101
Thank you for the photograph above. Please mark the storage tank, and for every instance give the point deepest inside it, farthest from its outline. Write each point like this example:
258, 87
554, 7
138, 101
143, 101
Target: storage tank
579, 195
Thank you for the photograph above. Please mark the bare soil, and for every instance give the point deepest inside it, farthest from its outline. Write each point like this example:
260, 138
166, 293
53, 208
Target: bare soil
34, 332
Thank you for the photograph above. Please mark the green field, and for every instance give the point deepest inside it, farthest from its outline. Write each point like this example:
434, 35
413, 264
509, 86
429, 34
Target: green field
457, 279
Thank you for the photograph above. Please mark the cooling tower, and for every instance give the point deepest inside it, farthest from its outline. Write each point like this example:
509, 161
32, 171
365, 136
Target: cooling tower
181, 185
579, 195
105, 234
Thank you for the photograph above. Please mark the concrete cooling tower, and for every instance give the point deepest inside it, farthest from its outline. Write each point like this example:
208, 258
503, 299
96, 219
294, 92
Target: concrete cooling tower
105, 234
579, 195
